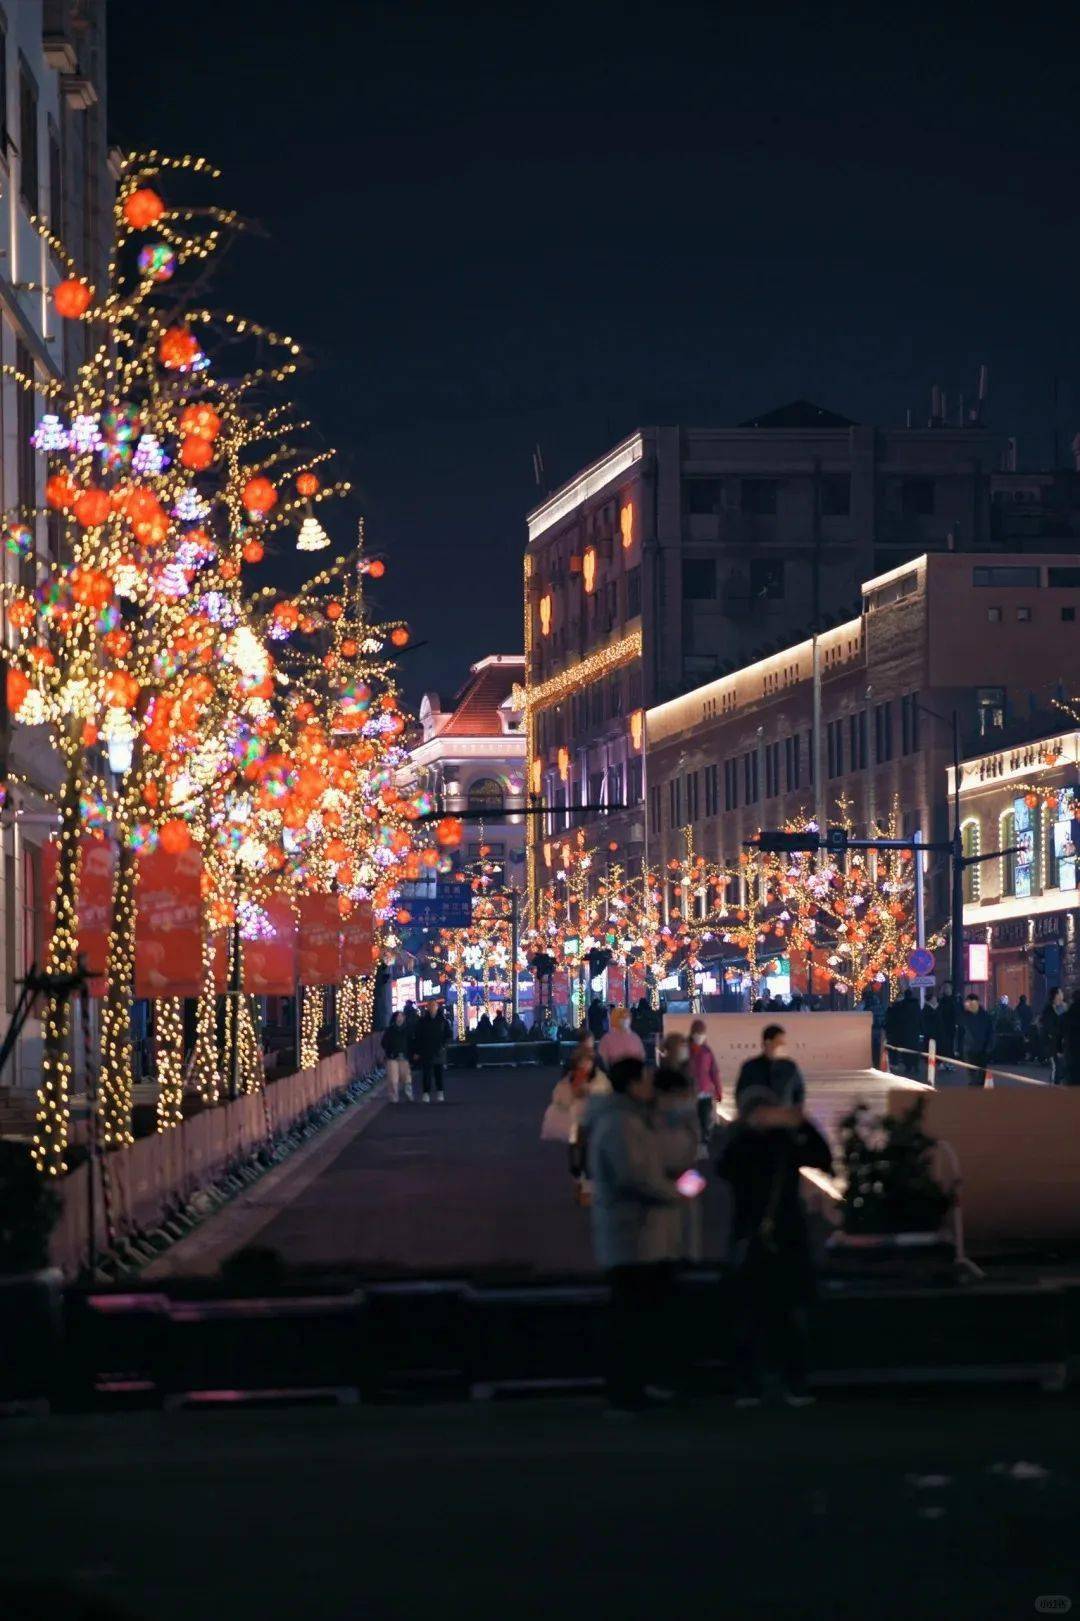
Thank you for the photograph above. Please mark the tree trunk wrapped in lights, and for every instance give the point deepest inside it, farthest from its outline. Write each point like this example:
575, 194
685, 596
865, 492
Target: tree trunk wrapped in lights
310, 1025
53, 1115
169, 1053
205, 1062
116, 1059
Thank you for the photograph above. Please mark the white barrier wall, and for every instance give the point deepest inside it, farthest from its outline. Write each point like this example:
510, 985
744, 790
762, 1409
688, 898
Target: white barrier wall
820, 1043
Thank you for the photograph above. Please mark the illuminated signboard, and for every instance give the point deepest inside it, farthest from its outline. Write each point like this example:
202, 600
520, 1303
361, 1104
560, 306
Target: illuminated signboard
1066, 832
1025, 847
978, 964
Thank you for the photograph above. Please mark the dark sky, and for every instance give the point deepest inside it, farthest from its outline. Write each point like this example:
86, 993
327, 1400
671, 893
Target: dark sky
502, 225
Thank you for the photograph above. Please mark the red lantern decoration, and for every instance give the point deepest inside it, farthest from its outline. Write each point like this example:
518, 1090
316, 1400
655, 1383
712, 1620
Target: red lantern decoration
307, 484
72, 298
196, 452
117, 643
92, 508
254, 551
18, 685
175, 837
60, 492
334, 610
1031, 800
178, 347
449, 833
201, 420
259, 495
400, 636
21, 614
143, 208
377, 569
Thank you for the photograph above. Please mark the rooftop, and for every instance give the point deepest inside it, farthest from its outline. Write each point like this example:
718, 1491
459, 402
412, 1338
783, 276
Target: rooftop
482, 706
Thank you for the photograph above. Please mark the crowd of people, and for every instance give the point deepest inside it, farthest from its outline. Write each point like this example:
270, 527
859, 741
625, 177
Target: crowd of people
977, 1036
417, 1038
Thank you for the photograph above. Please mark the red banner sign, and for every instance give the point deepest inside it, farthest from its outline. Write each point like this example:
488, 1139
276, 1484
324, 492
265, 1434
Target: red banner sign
357, 941
638, 987
168, 924
560, 987
270, 965
94, 902
319, 940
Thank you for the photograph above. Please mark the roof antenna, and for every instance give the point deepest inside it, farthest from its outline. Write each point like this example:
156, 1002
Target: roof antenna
981, 393
538, 469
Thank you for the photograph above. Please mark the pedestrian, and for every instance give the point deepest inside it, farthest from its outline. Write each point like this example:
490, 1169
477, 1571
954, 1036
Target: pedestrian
1025, 1019
1008, 1043
773, 1262
431, 1052
412, 1019
903, 1034
500, 1030
771, 1076
1070, 1042
1050, 1032
564, 1116
976, 1038
484, 1031
947, 1019
647, 1023
676, 1120
632, 1194
705, 1074
518, 1032
931, 1023
597, 1018
619, 1041
395, 1046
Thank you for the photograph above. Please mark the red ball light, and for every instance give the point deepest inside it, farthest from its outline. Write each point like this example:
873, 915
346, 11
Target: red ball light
400, 636
143, 208
377, 569
60, 492
92, 508
307, 484
254, 551
259, 495
72, 298
178, 347
196, 452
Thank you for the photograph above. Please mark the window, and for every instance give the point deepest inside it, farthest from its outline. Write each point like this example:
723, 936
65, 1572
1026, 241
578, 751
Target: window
917, 497
1063, 576
1068, 615
1000, 574
494, 852
596, 708
791, 762
882, 732
615, 696
633, 592
486, 795
970, 842
4, 126
766, 579
835, 495
25, 469
691, 796
731, 785
834, 748
909, 724
704, 496
772, 770
56, 182
750, 778
712, 789
990, 709
1008, 860
633, 782
759, 496
654, 808
698, 579
810, 756
28, 138
1023, 616
857, 741
994, 615
675, 802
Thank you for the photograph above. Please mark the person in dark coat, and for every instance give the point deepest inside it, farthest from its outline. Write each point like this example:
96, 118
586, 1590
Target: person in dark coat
647, 1025
976, 1038
484, 1031
431, 1052
1024, 1018
500, 1030
947, 1021
903, 1030
597, 1018
1070, 1042
1049, 1031
772, 1077
397, 1051
771, 1252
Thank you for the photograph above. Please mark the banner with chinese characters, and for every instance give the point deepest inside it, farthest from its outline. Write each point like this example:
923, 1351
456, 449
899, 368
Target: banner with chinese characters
358, 941
94, 903
270, 952
319, 940
638, 985
168, 924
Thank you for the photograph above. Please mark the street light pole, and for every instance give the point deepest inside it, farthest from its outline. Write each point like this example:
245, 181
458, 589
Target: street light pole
957, 941
514, 930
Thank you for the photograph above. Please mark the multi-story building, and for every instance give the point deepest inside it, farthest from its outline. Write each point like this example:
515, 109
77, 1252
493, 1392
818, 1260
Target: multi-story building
53, 164
860, 716
1024, 904
685, 553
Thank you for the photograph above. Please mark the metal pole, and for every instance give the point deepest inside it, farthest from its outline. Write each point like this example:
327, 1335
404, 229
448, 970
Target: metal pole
514, 929
235, 988
816, 742
957, 942
920, 904
90, 1081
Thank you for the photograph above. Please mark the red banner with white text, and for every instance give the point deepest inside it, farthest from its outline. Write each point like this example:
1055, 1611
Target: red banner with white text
358, 941
319, 940
94, 903
168, 924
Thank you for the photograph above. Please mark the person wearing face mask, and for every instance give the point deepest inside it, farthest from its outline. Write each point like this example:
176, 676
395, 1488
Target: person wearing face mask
676, 1125
705, 1074
770, 1078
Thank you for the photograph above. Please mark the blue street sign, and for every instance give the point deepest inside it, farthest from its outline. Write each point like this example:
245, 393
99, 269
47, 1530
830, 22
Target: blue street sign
450, 908
921, 961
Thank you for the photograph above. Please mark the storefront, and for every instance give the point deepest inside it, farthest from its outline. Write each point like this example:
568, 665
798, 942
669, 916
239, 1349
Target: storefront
1029, 955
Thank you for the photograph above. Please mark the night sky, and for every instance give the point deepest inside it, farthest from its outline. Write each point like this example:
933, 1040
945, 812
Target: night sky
493, 227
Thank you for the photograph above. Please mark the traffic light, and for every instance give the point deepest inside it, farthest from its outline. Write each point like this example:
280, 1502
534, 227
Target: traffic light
836, 840
788, 843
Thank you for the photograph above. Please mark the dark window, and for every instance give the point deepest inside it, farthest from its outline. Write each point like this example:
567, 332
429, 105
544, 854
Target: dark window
731, 785
616, 696
759, 496
1023, 616
486, 795
750, 778
691, 796
712, 789
834, 748
917, 497
882, 732
56, 183
25, 475
766, 579
1068, 615
28, 138
597, 707
990, 709
857, 741
791, 761
1002, 575
698, 579
654, 808
633, 782
633, 592
772, 770
704, 496
1063, 576
835, 495
909, 723
994, 616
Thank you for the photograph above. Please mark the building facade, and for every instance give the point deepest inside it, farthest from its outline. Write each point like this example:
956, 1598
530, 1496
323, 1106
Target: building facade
856, 723
1023, 905
53, 164
686, 553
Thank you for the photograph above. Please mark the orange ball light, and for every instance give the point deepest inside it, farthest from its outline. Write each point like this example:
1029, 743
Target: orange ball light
21, 614
92, 508
202, 420
254, 551
449, 833
72, 298
175, 837
143, 208
196, 452
259, 495
400, 636
60, 492
307, 484
377, 569
334, 610
178, 347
